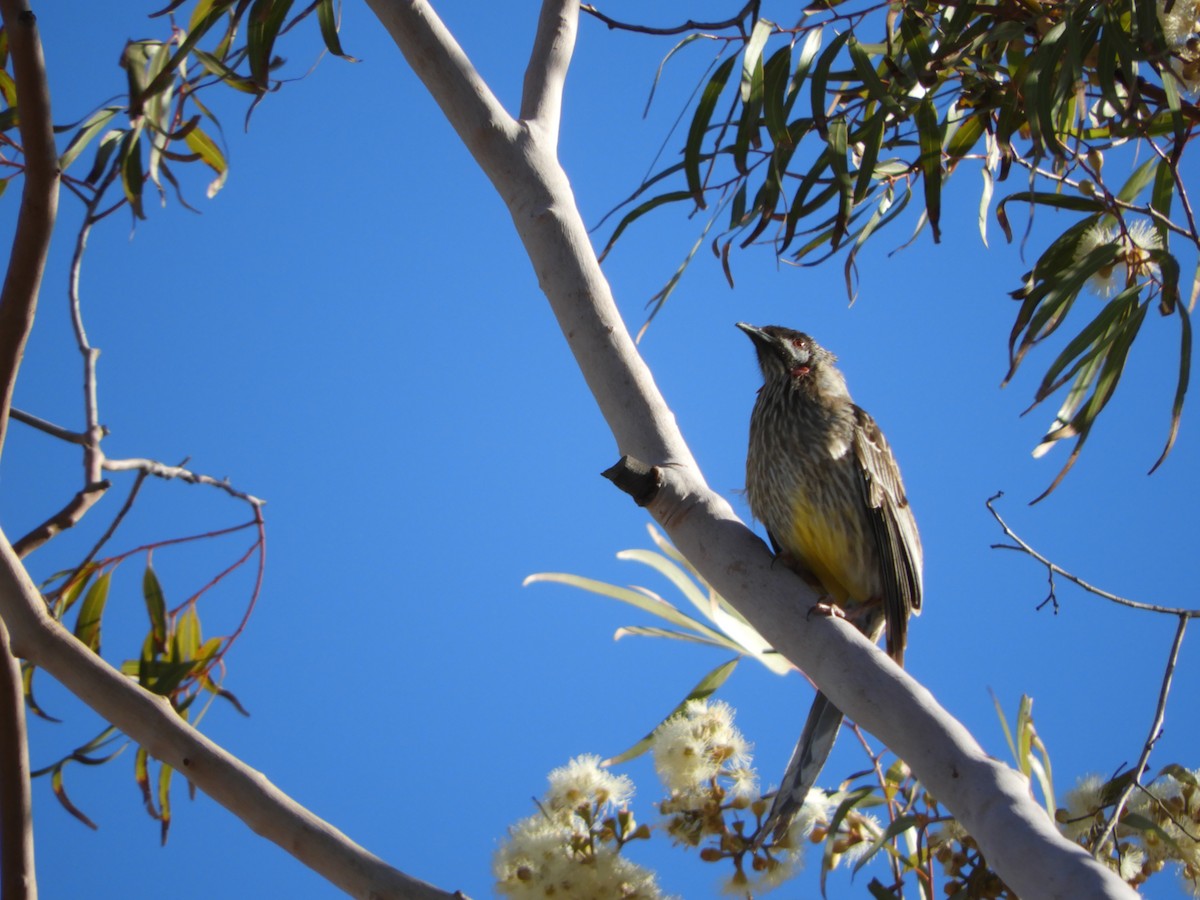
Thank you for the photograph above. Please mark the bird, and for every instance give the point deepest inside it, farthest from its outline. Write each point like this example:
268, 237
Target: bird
822, 479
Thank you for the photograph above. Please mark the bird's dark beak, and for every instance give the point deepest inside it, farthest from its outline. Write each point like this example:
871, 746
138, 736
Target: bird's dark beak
763, 342
755, 333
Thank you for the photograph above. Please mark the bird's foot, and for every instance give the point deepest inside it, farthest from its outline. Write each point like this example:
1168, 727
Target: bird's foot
822, 608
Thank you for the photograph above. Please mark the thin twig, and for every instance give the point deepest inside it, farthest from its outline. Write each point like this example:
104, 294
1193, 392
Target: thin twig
63, 434
1023, 547
161, 470
1151, 739
110, 530
65, 518
893, 805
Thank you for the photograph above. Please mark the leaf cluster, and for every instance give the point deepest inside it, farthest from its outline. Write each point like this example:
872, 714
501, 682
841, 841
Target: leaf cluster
163, 119
175, 662
813, 136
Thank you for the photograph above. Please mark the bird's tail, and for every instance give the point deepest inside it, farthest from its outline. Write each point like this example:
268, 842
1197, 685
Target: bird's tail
812, 750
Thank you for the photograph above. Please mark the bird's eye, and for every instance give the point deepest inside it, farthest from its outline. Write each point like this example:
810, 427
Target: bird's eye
798, 343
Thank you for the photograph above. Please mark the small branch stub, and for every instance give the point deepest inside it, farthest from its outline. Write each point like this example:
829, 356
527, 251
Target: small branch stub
639, 480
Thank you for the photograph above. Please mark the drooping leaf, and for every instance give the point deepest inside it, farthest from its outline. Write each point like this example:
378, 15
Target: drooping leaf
703, 689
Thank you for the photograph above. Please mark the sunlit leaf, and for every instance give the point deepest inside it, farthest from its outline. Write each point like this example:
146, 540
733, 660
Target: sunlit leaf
693, 149
87, 626
703, 689
156, 607
327, 18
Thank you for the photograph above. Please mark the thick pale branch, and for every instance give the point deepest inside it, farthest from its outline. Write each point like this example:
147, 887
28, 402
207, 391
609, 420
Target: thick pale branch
992, 801
533, 185
39, 197
149, 720
541, 102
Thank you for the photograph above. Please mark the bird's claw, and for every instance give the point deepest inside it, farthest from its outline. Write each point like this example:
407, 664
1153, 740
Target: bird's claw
832, 610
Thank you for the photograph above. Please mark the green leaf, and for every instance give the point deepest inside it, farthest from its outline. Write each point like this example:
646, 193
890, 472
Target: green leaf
91, 127
693, 148
227, 75
808, 52
1137, 181
60, 791
1095, 338
263, 26
930, 138
853, 799
836, 135
643, 601
204, 146
752, 65
1181, 385
694, 36
187, 635
876, 90
108, 145
637, 212
775, 94
327, 19
871, 137
87, 626
132, 174
164, 799
155, 607
896, 827
1106, 384
820, 80
703, 689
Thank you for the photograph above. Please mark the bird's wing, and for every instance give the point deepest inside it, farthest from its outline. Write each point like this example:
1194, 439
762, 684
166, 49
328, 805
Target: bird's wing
894, 528
812, 750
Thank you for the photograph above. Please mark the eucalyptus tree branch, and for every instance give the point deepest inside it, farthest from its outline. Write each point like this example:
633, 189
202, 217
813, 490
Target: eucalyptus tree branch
150, 721
18, 304
992, 801
1054, 569
39, 196
541, 99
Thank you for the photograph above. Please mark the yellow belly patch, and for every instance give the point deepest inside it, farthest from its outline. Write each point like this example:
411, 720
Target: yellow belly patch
828, 549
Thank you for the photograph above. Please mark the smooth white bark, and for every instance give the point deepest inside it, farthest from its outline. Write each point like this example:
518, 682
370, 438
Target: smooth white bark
991, 800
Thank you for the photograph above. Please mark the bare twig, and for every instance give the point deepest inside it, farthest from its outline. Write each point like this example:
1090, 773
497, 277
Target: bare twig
1056, 569
160, 470
63, 434
1151, 739
65, 518
85, 499
110, 530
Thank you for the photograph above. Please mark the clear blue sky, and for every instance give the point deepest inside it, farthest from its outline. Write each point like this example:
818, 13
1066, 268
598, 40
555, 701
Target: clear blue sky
351, 330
